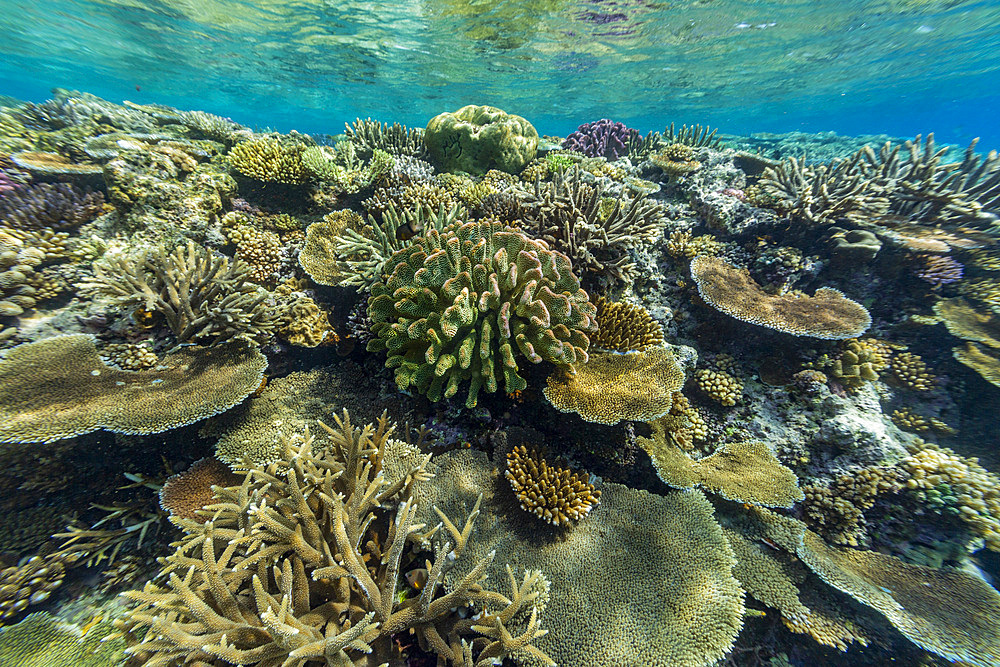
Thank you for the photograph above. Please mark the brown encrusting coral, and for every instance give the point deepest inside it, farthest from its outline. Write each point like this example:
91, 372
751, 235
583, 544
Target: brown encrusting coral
553, 493
59, 387
303, 562
188, 491
827, 314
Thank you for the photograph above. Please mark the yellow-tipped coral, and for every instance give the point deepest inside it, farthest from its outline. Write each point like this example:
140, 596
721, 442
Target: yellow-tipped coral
270, 159
623, 327
554, 494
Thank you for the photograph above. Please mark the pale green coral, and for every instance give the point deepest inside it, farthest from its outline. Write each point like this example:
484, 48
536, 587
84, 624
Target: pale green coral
458, 303
479, 138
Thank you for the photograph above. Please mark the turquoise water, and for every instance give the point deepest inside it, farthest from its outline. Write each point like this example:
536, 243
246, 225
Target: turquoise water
897, 67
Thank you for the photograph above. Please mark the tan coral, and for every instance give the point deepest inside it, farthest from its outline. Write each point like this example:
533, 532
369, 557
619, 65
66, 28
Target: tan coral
553, 493
860, 361
746, 472
30, 583
965, 322
827, 314
261, 250
837, 509
684, 424
658, 565
907, 419
59, 387
682, 244
188, 491
270, 159
129, 356
719, 386
979, 360
623, 327
910, 371
305, 324
919, 601
612, 387
675, 159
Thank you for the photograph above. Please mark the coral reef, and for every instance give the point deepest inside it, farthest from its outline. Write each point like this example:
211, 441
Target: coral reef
59, 387
938, 270
613, 387
183, 494
837, 509
49, 206
459, 304
303, 561
719, 386
368, 136
270, 159
479, 138
30, 583
624, 327
40, 640
827, 314
200, 295
553, 493
979, 360
910, 371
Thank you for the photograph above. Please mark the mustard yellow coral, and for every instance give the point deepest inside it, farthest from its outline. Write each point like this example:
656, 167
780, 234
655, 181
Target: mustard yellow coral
623, 327
910, 371
827, 314
270, 159
979, 360
613, 387
719, 386
553, 493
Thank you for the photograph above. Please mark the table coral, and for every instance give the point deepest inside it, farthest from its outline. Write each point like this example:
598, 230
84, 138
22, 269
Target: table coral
59, 387
746, 472
553, 493
658, 565
965, 322
827, 314
40, 640
675, 160
613, 387
979, 360
478, 138
462, 303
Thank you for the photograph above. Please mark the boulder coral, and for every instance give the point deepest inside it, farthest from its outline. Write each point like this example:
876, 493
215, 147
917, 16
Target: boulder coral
479, 138
463, 303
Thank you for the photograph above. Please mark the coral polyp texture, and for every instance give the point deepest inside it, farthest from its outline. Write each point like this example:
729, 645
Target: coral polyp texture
59, 387
826, 314
553, 493
270, 159
49, 205
479, 138
623, 327
602, 138
466, 302
613, 387
188, 491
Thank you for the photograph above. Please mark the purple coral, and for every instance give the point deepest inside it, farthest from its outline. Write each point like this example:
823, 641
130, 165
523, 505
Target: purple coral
48, 205
938, 269
6, 184
602, 138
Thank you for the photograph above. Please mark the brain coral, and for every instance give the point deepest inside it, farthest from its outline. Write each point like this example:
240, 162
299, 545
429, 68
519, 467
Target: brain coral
827, 314
645, 580
613, 387
59, 387
479, 138
457, 303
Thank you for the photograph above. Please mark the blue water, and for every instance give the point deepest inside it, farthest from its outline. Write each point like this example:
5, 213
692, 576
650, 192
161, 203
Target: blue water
899, 67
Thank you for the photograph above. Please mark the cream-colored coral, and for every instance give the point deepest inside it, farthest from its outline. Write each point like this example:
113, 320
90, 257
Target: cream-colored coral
746, 472
974, 490
553, 493
827, 314
305, 324
837, 509
613, 387
261, 250
30, 583
719, 386
910, 371
270, 159
129, 356
907, 419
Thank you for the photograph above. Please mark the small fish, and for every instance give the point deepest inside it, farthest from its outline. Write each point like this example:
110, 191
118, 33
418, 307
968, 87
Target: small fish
408, 231
137, 88
417, 578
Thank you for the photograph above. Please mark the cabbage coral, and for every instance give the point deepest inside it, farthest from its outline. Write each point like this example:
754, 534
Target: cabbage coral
461, 303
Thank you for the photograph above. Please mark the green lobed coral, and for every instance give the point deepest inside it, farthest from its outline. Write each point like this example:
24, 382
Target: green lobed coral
459, 302
479, 138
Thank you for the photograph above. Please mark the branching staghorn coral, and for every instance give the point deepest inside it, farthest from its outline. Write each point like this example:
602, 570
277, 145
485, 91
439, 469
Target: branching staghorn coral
270, 159
303, 562
369, 135
567, 213
199, 294
461, 303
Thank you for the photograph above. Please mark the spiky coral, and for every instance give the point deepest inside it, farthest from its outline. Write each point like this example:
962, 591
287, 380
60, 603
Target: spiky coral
302, 563
199, 294
461, 303
568, 214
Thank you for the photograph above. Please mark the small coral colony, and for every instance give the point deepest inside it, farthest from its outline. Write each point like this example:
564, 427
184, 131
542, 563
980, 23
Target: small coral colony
467, 395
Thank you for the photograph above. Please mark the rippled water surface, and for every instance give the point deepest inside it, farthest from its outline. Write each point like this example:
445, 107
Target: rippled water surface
898, 66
